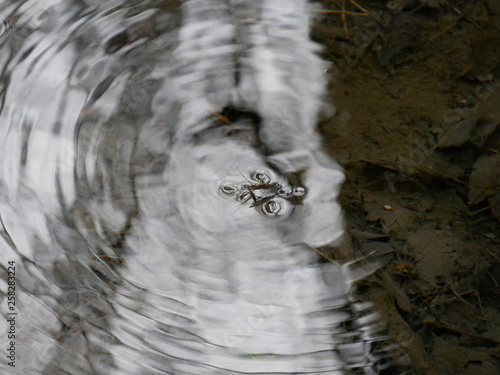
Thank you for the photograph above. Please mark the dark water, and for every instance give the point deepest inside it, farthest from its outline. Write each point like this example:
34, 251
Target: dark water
162, 185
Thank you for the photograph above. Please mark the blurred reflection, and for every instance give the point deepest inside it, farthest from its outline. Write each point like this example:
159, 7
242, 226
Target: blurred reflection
161, 187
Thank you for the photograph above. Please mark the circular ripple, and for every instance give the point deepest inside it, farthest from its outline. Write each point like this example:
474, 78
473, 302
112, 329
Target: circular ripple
273, 207
299, 191
261, 176
228, 188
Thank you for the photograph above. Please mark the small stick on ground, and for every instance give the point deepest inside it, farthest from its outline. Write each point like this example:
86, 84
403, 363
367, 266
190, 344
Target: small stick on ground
480, 304
341, 12
344, 22
458, 11
441, 33
442, 326
359, 7
323, 255
492, 278
460, 297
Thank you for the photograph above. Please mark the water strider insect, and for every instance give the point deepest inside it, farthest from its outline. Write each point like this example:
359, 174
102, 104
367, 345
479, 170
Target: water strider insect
265, 194
258, 201
263, 180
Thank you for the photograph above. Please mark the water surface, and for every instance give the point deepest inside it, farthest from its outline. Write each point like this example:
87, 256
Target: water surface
162, 187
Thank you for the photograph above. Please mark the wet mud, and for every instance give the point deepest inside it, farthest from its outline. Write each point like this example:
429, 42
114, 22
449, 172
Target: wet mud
416, 89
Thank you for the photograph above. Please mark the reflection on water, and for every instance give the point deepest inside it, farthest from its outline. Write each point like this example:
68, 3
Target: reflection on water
5, 27
161, 186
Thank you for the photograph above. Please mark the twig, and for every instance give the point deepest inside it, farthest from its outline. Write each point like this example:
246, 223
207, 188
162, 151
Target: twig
492, 278
480, 304
460, 297
323, 255
358, 6
457, 330
479, 211
344, 22
223, 120
488, 238
441, 33
458, 11
417, 8
341, 12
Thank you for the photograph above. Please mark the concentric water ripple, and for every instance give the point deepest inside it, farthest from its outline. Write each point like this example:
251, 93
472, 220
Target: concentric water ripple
148, 149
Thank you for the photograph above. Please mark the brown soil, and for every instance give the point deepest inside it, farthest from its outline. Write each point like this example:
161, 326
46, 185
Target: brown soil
417, 130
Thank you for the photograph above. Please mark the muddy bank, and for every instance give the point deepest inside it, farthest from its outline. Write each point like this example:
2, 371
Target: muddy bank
417, 91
